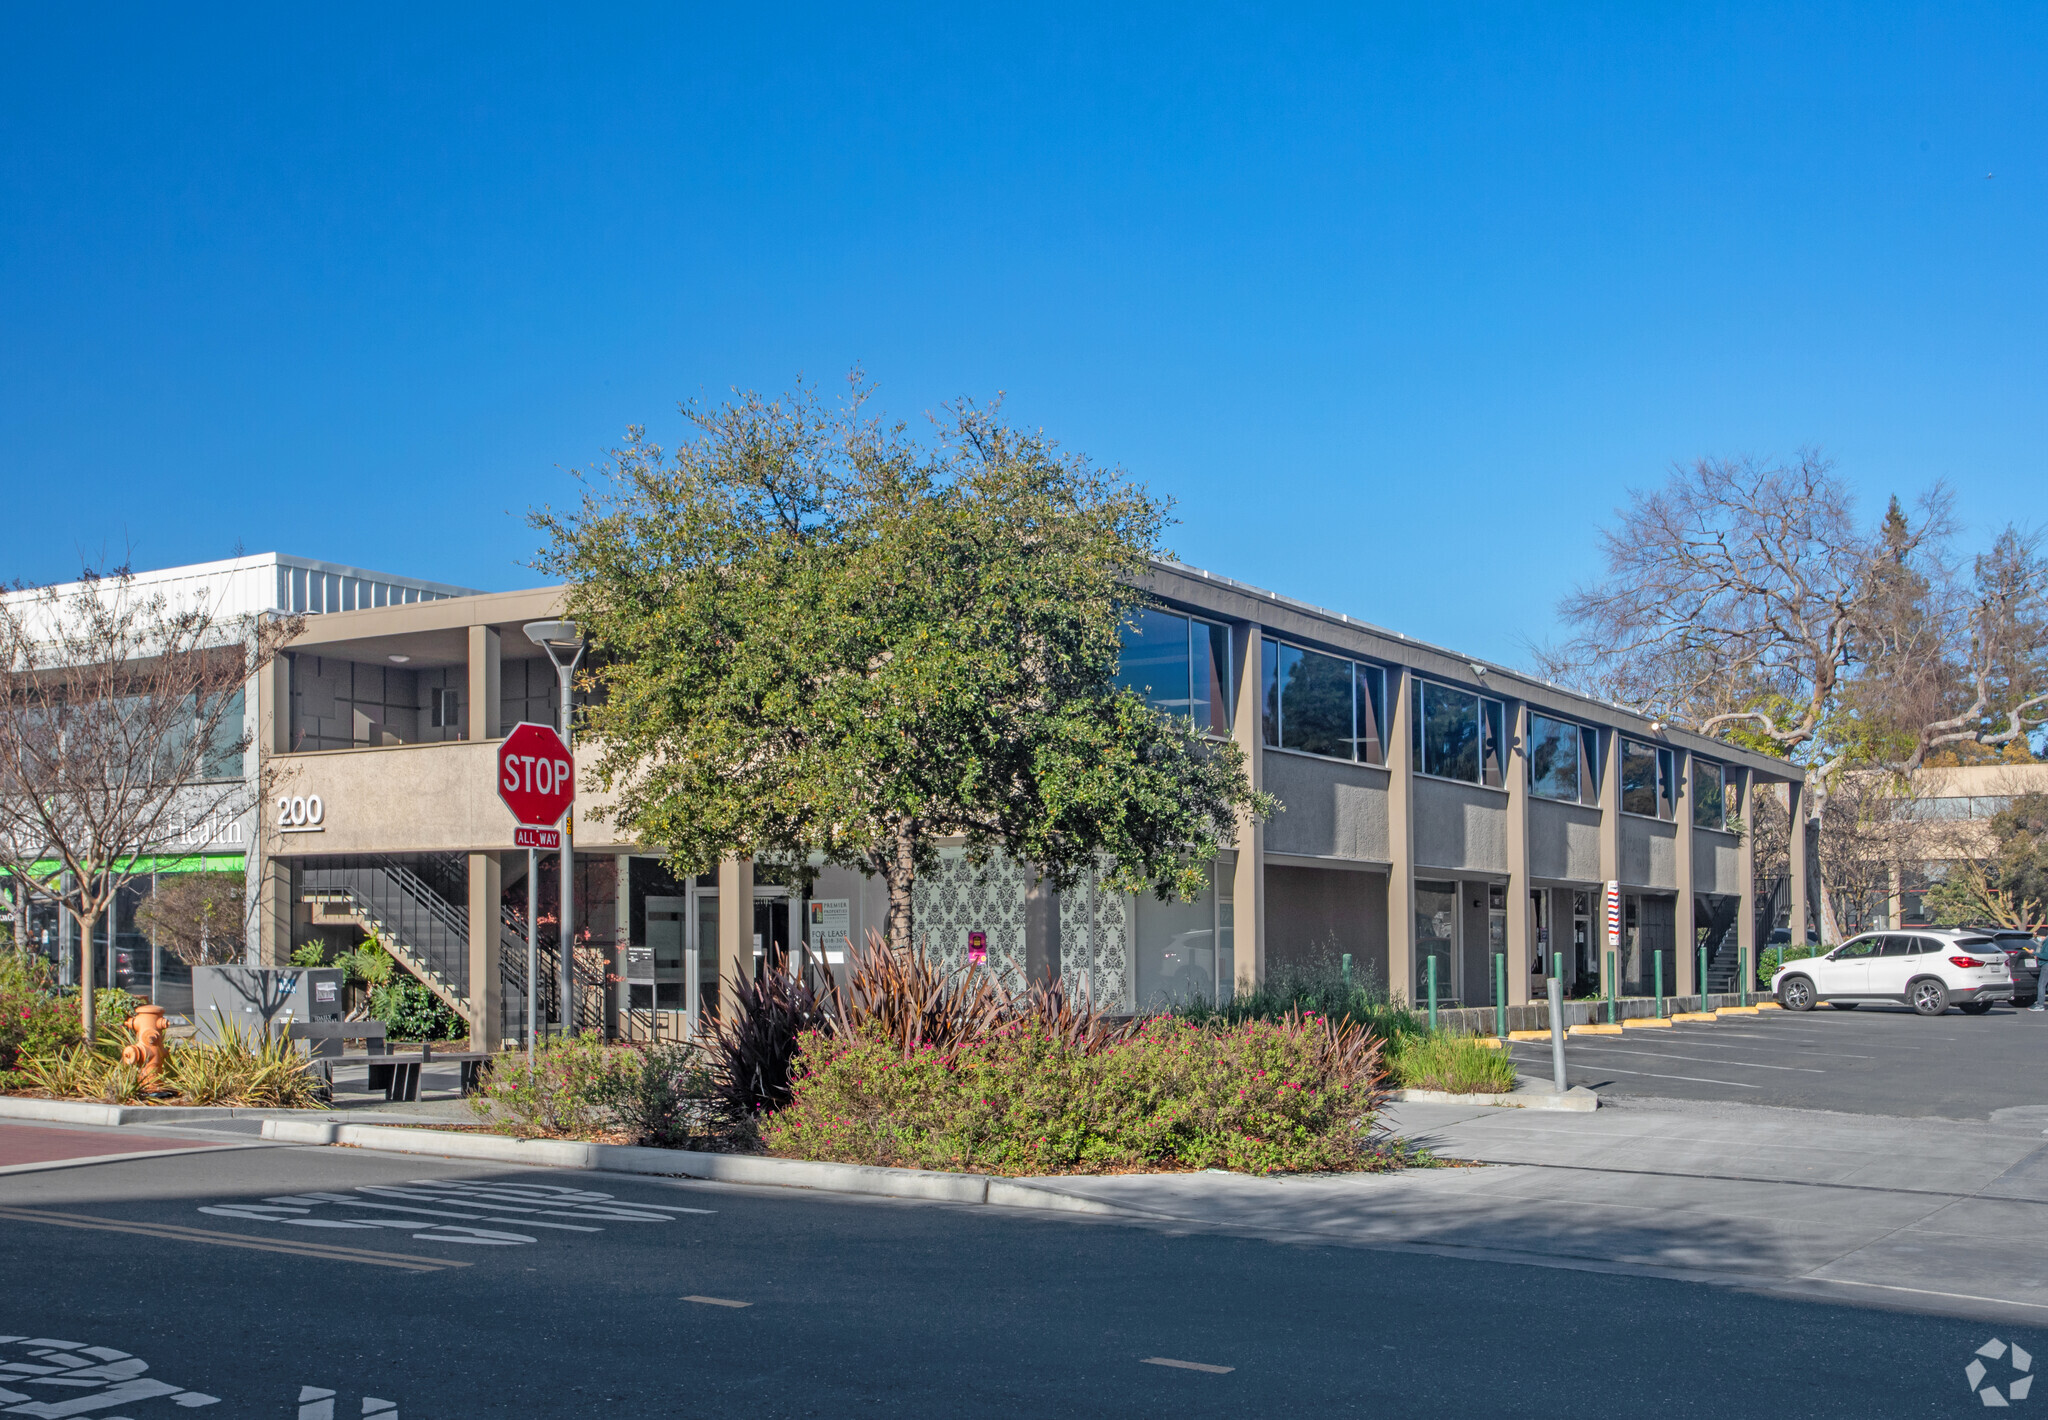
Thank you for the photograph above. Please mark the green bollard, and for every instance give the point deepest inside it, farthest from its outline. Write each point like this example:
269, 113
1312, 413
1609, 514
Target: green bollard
1703, 978
1659, 955
1743, 968
1610, 988
1347, 971
1432, 990
1500, 994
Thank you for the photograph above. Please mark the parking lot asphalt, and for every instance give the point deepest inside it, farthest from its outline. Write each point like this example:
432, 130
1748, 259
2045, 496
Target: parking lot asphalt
330, 1283
1872, 1060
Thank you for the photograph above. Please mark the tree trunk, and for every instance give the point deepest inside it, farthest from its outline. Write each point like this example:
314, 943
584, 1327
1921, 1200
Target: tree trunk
88, 1013
901, 874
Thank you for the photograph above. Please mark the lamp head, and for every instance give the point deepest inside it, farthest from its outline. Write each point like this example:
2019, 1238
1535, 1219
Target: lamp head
562, 640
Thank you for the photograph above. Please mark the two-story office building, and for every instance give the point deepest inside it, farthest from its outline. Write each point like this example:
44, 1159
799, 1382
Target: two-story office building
227, 592
1443, 821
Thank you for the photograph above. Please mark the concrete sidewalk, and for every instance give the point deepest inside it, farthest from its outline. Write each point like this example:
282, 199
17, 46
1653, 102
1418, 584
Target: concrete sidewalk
1928, 1215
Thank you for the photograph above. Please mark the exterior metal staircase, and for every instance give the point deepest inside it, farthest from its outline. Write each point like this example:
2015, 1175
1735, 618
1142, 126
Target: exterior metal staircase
1724, 966
426, 932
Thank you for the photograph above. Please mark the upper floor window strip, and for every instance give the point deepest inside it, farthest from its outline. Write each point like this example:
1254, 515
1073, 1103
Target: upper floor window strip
1180, 665
1459, 735
1322, 704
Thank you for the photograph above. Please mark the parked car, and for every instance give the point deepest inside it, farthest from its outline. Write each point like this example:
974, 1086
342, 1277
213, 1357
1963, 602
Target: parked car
2023, 958
1929, 969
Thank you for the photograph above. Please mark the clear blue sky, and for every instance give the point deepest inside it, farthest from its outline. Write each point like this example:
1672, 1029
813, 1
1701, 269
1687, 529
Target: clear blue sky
1396, 305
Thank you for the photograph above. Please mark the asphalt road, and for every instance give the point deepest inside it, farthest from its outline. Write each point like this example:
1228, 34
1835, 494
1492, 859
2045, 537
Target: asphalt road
258, 1281
1873, 1060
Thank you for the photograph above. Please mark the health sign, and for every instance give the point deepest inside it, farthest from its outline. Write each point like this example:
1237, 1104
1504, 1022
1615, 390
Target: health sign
536, 777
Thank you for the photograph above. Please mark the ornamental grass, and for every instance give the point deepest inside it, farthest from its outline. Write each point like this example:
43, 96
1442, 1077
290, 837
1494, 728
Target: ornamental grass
1289, 1096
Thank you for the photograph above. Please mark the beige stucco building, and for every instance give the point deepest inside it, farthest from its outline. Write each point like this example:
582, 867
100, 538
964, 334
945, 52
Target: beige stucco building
1443, 819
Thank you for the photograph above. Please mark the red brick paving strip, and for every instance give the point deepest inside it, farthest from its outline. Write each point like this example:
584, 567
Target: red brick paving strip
33, 1144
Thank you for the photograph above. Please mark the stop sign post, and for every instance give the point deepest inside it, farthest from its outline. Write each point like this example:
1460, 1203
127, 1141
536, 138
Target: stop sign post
537, 781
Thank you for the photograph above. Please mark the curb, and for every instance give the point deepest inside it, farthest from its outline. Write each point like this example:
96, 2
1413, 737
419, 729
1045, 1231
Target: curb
1648, 1023
1594, 1029
921, 1184
1577, 1100
1697, 1017
1737, 1010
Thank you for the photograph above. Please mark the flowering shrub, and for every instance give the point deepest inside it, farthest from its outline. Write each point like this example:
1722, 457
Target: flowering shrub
34, 1019
565, 1092
1282, 1096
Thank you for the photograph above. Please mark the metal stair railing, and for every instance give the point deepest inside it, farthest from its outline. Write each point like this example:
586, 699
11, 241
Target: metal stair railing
424, 930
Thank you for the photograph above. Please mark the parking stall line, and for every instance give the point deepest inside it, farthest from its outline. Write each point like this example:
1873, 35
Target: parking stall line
1186, 1365
1600, 1068
716, 1302
1712, 1060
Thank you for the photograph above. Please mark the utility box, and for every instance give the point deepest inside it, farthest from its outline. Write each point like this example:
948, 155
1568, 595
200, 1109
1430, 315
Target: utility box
263, 1000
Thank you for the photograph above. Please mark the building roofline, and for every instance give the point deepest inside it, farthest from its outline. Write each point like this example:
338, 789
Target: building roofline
1534, 688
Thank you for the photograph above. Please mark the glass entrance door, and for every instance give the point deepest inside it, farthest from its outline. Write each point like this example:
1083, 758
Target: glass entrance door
1585, 957
771, 929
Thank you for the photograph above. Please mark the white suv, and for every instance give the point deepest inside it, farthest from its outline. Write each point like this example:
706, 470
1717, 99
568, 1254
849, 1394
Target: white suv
1929, 969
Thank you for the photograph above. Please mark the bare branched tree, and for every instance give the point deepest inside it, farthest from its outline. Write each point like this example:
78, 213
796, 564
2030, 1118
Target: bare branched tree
122, 730
1745, 600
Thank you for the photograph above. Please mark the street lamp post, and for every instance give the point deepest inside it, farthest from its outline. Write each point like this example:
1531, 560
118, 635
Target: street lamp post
563, 642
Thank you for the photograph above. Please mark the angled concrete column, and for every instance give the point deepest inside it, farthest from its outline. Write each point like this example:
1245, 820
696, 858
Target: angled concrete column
1248, 888
486, 990
735, 924
485, 666
1795, 805
1520, 928
268, 879
1401, 835
1745, 865
1686, 937
1610, 849
273, 936
1041, 930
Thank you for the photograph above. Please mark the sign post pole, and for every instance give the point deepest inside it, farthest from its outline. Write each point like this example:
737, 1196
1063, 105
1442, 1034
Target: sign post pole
537, 781
532, 946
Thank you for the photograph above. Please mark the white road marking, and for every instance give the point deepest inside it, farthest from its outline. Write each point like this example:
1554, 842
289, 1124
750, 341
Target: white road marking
716, 1302
463, 1205
1186, 1365
1652, 1074
74, 1385
1710, 1060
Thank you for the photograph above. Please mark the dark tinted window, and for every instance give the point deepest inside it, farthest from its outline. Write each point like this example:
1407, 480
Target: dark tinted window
1861, 947
1553, 759
1900, 946
1638, 778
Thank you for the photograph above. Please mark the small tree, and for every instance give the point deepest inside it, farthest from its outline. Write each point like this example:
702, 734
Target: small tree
120, 728
199, 916
815, 635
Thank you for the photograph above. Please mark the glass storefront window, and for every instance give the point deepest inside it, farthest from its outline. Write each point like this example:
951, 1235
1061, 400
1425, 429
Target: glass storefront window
1436, 938
1176, 950
1180, 665
1709, 805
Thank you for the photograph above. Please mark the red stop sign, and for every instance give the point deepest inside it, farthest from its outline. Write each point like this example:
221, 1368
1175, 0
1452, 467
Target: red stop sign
536, 777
